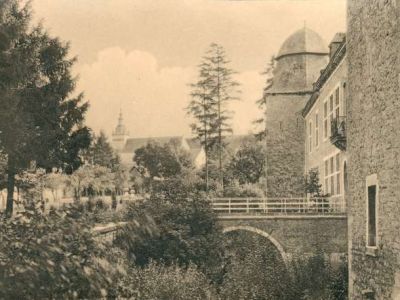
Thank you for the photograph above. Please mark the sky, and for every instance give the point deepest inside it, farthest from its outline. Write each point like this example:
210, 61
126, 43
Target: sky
140, 56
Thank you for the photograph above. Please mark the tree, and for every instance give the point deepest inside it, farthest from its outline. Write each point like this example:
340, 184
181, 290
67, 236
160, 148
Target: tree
312, 185
213, 92
101, 152
247, 165
202, 109
94, 179
161, 161
185, 229
39, 120
261, 103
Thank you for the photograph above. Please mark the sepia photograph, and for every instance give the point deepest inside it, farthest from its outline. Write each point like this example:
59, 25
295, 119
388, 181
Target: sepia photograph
200, 149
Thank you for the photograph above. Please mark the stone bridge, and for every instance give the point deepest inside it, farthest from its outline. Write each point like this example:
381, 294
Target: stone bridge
293, 226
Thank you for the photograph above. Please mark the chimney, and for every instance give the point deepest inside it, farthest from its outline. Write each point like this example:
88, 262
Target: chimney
336, 42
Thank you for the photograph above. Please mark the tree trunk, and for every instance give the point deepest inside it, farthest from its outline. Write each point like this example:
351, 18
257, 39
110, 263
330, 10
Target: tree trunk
10, 187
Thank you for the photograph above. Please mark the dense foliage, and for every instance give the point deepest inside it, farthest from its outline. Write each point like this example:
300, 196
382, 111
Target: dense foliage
157, 281
211, 95
248, 163
40, 119
185, 228
51, 256
157, 161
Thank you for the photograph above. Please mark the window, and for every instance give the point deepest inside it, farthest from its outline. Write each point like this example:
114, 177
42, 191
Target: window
316, 130
332, 175
372, 205
310, 137
331, 111
372, 216
325, 120
337, 102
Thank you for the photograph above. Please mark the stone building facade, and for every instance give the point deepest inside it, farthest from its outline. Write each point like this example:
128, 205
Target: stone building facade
298, 65
325, 123
373, 49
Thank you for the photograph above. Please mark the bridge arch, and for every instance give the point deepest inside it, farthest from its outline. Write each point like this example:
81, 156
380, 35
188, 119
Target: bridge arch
277, 245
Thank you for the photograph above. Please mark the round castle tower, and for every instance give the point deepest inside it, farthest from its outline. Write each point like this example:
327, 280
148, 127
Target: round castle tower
298, 64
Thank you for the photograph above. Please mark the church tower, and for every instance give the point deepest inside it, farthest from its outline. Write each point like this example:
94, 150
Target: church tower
298, 65
120, 134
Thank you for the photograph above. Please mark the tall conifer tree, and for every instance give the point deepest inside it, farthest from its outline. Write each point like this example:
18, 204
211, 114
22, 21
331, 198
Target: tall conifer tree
202, 109
39, 120
209, 105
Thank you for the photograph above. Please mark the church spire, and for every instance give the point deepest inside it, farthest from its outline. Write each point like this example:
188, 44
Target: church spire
120, 129
120, 134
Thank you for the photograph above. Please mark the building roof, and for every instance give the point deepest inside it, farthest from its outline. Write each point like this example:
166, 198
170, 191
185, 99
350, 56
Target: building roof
303, 41
334, 62
134, 143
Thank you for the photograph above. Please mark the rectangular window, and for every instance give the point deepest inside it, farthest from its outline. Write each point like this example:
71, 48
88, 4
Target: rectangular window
326, 186
331, 103
333, 175
337, 102
325, 120
337, 98
337, 162
326, 168
372, 233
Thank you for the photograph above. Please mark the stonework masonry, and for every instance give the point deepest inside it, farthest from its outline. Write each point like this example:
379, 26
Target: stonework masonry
299, 236
298, 65
374, 145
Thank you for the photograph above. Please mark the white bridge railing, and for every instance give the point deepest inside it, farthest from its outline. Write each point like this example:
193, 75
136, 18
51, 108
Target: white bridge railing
280, 206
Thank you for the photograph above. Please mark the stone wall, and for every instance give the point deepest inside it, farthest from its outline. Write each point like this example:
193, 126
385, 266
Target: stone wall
292, 85
285, 145
300, 235
374, 144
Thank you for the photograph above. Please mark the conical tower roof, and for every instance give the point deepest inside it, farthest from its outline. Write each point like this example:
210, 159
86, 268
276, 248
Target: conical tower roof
303, 41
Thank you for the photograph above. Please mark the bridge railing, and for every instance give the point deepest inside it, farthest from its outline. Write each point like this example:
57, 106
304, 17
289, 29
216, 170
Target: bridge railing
285, 206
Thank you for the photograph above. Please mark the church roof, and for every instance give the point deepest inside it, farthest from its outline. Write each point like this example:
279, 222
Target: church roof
303, 41
134, 143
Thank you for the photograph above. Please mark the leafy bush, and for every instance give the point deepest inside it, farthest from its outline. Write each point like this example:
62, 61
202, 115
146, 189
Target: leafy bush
157, 281
316, 278
185, 228
255, 269
245, 190
51, 256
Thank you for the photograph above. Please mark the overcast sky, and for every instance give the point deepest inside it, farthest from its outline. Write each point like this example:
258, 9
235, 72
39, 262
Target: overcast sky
140, 55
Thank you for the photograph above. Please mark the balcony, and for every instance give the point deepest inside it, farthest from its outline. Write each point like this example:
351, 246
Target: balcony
338, 132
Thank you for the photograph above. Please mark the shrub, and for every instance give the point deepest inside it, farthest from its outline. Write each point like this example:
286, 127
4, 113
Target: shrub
51, 256
245, 190
157, 281
185, 228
